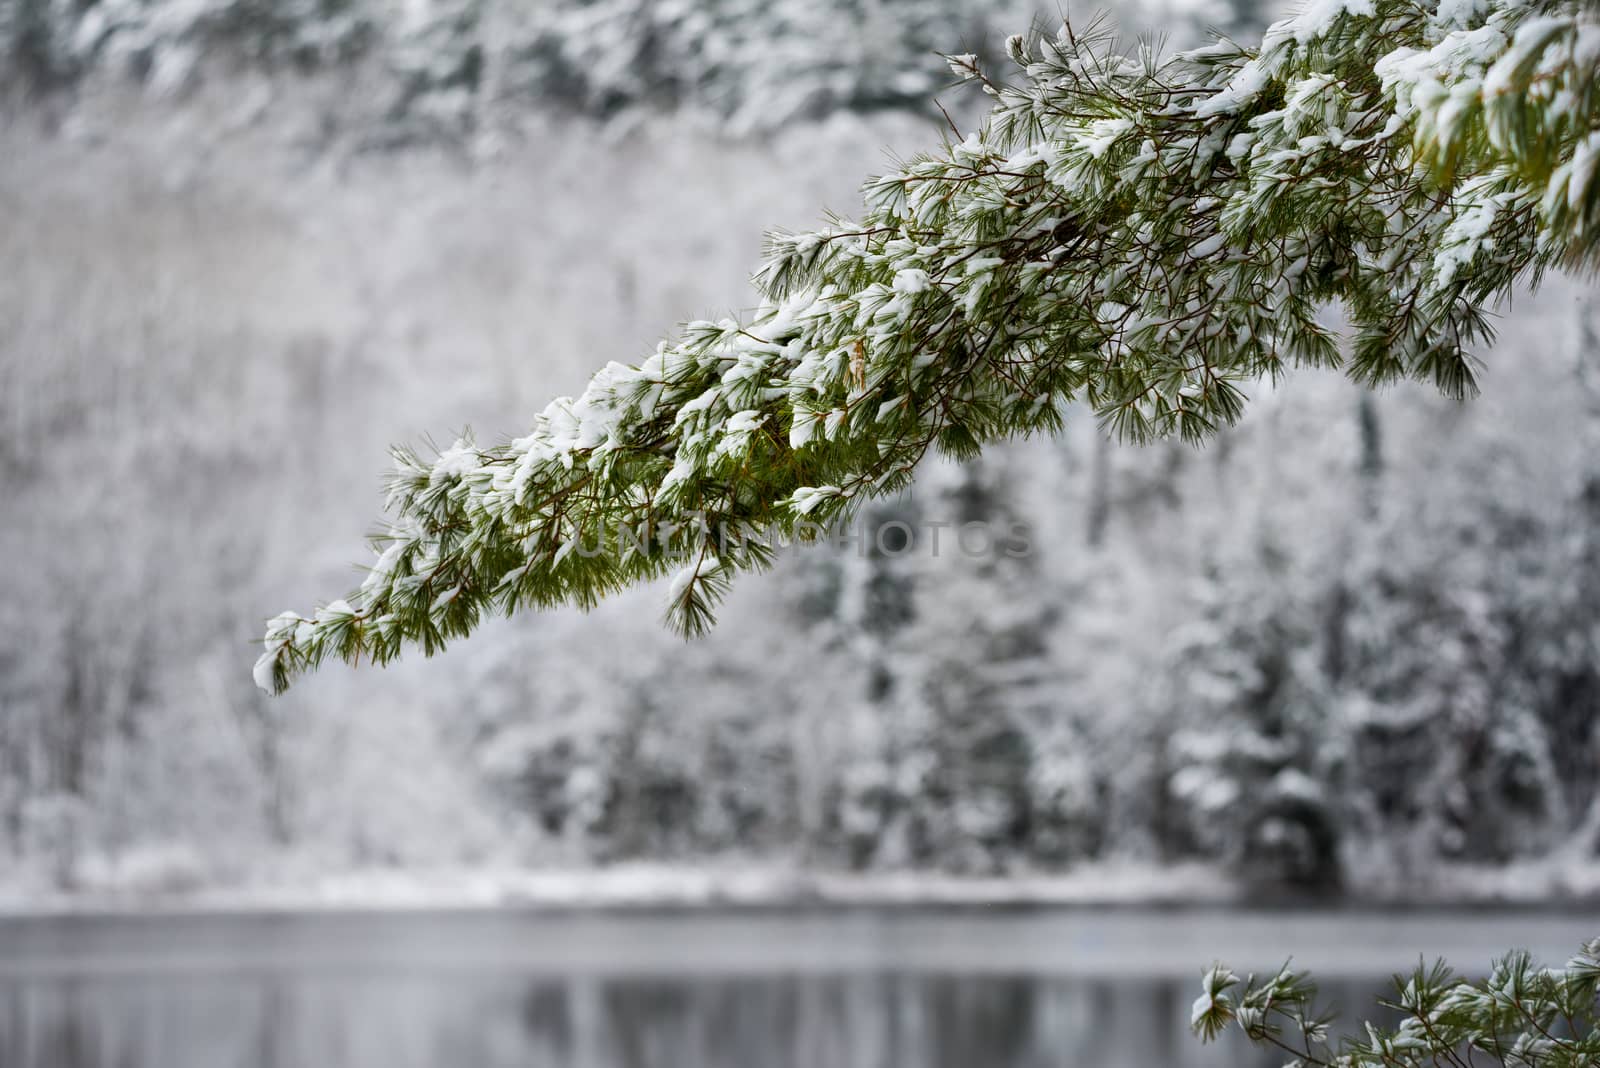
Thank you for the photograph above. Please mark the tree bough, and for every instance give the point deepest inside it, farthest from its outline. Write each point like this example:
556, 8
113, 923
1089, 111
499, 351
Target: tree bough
1144, 235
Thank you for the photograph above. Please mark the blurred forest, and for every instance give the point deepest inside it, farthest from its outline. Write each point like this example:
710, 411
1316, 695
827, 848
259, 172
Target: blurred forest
1353, 647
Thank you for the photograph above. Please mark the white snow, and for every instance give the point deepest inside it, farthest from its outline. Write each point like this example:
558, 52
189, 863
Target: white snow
1102, 134
262, 673
745, 421
806, 499
1580, 171
334, 610
804, 427
1242, 90
911, 280
1319, 17
1532, 36
1209, 247
458, 460
619, 886
1458, 14
1296, 784
383, 566
684, 577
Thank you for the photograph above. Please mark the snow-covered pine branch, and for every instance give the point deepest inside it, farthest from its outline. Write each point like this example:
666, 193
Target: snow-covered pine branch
1144, 235
1522, 1014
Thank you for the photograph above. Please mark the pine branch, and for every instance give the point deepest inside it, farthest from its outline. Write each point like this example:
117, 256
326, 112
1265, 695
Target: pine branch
1145, 236
1521, 1015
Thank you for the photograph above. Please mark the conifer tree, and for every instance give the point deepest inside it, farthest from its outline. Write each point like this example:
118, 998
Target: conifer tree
1145, 235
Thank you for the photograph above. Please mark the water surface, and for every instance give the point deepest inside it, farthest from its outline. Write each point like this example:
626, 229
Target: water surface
704, 989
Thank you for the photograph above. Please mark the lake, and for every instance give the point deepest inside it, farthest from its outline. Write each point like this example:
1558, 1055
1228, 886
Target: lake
805, 988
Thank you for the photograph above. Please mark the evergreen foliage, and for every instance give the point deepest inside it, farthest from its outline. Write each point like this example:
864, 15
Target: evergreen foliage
1520, 1015
1148, 236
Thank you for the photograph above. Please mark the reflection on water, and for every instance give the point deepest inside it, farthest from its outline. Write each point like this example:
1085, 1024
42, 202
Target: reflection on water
813, 1021
821, 988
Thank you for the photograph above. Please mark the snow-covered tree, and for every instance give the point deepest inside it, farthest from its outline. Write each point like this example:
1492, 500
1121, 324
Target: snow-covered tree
1250, 762
54, 42
760, 64
434, 68
1145, 235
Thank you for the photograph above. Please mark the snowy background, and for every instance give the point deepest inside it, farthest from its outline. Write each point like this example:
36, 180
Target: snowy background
1350, 650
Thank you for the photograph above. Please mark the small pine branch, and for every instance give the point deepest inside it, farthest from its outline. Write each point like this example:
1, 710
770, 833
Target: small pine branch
1520, 1016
